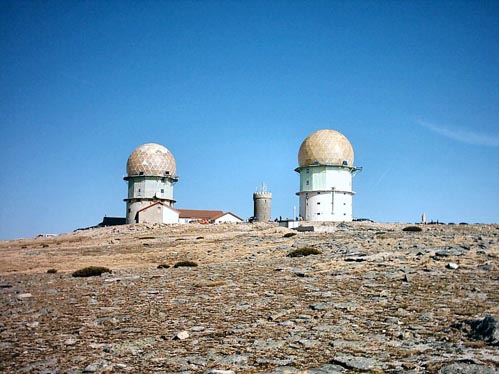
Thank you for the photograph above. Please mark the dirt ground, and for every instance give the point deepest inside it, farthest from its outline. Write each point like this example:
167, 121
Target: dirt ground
376, 299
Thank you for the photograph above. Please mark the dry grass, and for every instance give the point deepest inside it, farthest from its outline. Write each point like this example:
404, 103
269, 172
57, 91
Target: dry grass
210, 284
91, 271
185, 264
412, 229
304, 251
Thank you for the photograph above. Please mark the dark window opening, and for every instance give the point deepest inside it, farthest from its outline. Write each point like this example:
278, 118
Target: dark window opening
319, 203
162, 190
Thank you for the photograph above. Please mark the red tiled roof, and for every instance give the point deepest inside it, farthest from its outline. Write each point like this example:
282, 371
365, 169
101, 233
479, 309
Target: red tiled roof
199, 214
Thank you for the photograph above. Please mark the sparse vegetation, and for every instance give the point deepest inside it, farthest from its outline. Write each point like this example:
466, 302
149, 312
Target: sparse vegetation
412, 229
185, 264
304, 251
51, 271
91, 271
289, 234
163, 266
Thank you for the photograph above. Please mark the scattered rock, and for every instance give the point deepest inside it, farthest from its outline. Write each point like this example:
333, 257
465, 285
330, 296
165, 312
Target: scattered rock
452, 266
24, 296
248, 307
181, 335
353, 362
466, 368
70, 341
239, 360
96, 366
486, 329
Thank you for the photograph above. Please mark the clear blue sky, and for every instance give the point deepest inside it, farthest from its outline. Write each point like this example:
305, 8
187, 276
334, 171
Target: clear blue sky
232, 89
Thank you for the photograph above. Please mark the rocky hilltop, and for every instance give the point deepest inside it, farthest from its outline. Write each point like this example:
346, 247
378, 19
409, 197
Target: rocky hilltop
362, 297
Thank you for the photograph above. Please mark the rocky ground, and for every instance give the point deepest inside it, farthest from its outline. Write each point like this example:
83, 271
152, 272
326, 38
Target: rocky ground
377, 299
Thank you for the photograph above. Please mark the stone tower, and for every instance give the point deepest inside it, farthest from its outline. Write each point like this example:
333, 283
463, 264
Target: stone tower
262, 205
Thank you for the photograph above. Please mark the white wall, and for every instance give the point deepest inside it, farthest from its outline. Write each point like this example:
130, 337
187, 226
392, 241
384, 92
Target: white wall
318, 178
228, 218
170, 215
149, 187
326, 193
326, 206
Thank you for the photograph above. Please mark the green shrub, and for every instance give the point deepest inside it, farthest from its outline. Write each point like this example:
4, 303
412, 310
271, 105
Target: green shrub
51, 271
91, 271
163, 266
412, 228
304, 251
289, 234
185, 264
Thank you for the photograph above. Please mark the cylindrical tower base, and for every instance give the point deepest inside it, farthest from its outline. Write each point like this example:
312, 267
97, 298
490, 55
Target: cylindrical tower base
262, 206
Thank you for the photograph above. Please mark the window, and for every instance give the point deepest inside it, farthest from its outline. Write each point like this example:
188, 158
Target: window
141, 173
318, 214
308, 171
318, 203
308, 182
162, 190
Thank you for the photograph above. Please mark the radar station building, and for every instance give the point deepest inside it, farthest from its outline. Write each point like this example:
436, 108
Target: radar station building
326, 169
151, 175
262, 205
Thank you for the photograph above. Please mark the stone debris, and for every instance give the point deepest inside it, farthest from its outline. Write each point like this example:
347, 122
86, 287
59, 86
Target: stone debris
24, 296
466, 368
181, 335
354, 362
486, 329
376, 300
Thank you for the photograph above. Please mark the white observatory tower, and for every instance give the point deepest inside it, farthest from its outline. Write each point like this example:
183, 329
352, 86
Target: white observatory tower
326, 170
151, 176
